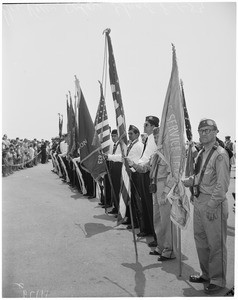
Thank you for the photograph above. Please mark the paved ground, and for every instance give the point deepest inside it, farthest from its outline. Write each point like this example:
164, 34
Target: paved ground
57, 243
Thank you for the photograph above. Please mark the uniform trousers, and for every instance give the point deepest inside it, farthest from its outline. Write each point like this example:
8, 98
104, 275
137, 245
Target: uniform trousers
210, 238
136, 205
164, 228
115, 171
107, 187
147, 203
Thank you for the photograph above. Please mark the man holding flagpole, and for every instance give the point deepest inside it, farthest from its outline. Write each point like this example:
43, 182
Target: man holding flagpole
210, 185
161, 184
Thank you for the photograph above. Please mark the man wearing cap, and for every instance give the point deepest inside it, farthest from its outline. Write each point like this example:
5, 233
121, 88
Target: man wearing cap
134, 151
150, 147
210, 185
115, 160
62, 157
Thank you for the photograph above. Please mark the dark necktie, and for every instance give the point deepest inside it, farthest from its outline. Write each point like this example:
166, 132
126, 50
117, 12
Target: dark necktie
114, 148
145, 144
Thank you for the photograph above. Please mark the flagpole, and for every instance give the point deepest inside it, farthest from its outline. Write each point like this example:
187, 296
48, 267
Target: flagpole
109, 177
114, 81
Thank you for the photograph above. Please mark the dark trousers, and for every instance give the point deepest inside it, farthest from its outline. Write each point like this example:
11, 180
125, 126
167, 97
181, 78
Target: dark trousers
136, 205
147, 203
90, 184
115, 171
107, 191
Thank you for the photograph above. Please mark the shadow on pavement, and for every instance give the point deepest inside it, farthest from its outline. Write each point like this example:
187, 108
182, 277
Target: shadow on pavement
91, 229
120, 287
140, 279
105, 217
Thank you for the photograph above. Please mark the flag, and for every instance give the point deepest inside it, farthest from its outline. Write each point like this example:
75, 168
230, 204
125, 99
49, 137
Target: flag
125, 191
189, 169
102, 125
72, 151
90, 158
60, 124
171, 146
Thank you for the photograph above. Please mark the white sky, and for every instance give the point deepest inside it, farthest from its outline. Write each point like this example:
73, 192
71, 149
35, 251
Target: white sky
44, 46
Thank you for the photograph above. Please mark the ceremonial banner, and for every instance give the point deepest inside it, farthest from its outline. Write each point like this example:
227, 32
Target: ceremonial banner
102, 125
172, 147
90, 158
125, 192
60, 124
72, 151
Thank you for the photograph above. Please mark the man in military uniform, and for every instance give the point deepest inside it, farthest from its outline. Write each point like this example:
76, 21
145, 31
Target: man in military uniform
210, 185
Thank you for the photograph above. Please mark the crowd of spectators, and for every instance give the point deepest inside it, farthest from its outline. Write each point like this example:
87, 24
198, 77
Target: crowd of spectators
18, 154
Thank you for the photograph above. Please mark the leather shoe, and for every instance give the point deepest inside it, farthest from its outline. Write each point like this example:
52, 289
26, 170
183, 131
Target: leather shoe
163, 258
154, 253
106, 206
142, 234
113, 211
91, 197
130, 226
152, 244
126, 222
212, 288
197, 279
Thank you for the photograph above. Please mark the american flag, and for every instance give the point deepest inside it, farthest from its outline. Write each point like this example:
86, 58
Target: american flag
125, 192
189, 169
101, 123
186, 116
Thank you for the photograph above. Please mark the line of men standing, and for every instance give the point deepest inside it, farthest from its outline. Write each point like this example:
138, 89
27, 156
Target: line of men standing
151, 208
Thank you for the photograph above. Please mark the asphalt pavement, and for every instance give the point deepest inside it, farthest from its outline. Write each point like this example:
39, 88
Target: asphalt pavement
57, 243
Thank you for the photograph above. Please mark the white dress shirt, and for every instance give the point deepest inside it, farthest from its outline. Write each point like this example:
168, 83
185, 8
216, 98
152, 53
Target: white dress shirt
150, 149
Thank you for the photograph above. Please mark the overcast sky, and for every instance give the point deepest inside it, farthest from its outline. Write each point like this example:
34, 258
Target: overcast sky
45, 45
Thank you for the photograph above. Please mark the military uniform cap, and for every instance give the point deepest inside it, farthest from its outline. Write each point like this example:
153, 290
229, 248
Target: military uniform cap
207, 122
152, 120
134, 128
114, 131
227, 137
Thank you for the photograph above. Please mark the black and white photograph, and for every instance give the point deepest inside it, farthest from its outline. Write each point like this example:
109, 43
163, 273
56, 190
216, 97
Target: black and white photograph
118, 149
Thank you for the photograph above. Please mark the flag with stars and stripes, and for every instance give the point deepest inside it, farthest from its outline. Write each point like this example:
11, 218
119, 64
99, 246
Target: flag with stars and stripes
91, 159
190, 156
125, 191
102, 125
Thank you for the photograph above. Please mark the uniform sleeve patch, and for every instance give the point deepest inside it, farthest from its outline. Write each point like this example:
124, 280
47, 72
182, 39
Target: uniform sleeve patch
219, 157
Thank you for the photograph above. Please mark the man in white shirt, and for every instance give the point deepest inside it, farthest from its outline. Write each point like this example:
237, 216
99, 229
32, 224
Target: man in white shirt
134, 152
62, 157
115, 160
143, 180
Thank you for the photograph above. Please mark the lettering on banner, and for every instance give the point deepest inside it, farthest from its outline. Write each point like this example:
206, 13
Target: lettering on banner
174, 143
83, 143
100, 159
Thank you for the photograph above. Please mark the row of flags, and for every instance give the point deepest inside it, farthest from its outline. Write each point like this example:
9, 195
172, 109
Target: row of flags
92, 139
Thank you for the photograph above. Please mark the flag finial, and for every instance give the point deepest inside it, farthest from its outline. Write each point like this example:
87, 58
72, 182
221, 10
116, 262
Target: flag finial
174, 52
107, 31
